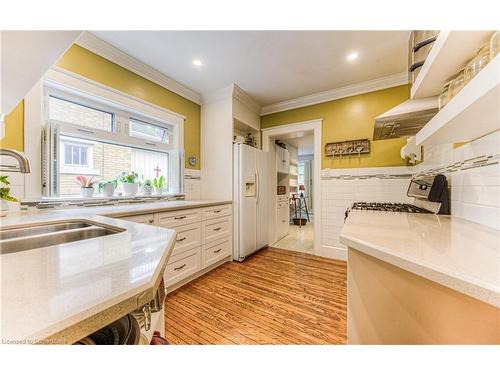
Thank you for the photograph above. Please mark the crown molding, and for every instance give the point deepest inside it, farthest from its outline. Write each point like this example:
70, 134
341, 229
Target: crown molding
342, 92
216, 95
117, 56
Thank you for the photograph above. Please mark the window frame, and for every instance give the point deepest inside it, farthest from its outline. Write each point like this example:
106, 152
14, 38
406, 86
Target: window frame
123, 107
77, 169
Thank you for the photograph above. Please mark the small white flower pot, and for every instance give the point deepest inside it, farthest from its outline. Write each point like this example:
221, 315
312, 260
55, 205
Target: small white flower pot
108, 189
158, 190
130, 189
87, 192
147, 190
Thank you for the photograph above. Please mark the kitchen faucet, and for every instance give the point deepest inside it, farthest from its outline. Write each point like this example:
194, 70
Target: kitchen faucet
24, 164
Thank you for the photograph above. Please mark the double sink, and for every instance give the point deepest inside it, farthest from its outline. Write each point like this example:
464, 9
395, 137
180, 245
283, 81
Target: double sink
32, 236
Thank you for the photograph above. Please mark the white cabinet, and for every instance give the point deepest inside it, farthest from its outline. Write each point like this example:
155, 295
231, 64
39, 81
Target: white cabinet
282, 160
282, 220
203, 239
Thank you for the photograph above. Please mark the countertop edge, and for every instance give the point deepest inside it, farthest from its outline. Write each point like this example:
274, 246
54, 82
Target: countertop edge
162, 209
459, 284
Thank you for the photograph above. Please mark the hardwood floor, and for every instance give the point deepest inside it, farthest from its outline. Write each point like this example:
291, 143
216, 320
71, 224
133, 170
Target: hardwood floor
274, 297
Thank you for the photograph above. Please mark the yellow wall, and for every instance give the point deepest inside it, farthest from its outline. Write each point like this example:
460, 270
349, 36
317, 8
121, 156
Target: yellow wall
94, 67
347, 119
14, 129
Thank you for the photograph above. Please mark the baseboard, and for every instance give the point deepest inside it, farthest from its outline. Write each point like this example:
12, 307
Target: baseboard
198, 274
332, 252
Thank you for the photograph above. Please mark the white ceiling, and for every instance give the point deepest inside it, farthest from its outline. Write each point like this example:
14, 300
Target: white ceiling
271, 66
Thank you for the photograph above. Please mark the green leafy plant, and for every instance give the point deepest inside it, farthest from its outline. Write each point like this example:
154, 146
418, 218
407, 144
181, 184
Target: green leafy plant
130, 178
5, 190
147, 182
100, 185
159, 182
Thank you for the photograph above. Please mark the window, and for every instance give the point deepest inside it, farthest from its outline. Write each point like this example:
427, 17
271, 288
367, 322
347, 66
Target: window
94, 139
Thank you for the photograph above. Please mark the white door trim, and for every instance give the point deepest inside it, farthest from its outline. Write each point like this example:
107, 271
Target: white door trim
314, 125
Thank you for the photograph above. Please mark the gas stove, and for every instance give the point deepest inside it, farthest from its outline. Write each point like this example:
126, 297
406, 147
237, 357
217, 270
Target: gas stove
430, 192
391, 207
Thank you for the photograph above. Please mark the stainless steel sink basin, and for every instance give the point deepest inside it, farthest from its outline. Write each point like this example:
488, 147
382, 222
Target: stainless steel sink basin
12, 232
14, 239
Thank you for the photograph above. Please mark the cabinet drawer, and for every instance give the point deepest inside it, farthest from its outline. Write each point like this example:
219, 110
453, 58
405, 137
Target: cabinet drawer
145, 219
216, 229
183, 268
188, 238
213, 253
215, 211
174, 219
282, 198
282, 205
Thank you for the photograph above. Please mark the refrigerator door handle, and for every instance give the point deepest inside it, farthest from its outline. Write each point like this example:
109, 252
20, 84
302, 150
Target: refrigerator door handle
257, 184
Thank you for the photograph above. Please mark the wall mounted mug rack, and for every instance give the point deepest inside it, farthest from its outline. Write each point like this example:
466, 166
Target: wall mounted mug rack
348, 148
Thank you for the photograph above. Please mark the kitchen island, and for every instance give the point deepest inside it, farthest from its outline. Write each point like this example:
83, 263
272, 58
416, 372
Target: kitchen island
61, 293
421, 279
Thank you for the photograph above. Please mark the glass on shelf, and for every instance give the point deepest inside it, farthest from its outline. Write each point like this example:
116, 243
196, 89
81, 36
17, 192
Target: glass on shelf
477, 63
444, 97
494, 44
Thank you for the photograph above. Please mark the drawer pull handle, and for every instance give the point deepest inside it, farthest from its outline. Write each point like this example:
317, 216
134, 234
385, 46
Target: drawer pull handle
217, 229
284, 221
217, 211
179, 217
217, 251
150, 221
181, 239
180, 267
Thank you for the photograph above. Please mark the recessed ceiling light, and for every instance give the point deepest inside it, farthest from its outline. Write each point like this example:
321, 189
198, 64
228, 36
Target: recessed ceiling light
197, 62
352, 56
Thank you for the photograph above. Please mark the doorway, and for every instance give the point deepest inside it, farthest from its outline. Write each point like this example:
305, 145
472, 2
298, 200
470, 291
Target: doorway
303, 144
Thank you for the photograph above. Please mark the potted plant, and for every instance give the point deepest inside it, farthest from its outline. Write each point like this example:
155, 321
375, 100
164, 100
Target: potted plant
130, 183
5, 195
107, 188
159, 184
147, 187
86, 186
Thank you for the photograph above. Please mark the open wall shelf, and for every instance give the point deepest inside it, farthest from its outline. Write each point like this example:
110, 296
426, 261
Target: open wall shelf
472, 113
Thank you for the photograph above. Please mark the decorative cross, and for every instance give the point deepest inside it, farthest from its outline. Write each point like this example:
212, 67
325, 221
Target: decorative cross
157, 170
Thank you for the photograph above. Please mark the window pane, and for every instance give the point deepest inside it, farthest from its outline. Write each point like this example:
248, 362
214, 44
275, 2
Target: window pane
108, 162
83, 155
66, 111
144, 130
67, 154
76, 156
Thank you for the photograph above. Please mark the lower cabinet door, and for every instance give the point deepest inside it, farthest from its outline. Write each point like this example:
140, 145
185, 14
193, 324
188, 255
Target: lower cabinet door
182, 268
213, 252
283, 222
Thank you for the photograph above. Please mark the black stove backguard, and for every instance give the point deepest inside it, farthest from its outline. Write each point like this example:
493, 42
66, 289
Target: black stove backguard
432, 189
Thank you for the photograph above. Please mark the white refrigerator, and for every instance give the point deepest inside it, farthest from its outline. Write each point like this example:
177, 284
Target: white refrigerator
251, 193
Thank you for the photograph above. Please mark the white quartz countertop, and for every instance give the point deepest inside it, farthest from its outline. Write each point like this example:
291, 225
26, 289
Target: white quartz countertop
48, 290
456, 253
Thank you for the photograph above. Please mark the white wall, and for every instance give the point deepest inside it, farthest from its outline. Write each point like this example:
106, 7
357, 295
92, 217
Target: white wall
216, 150
473, 172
